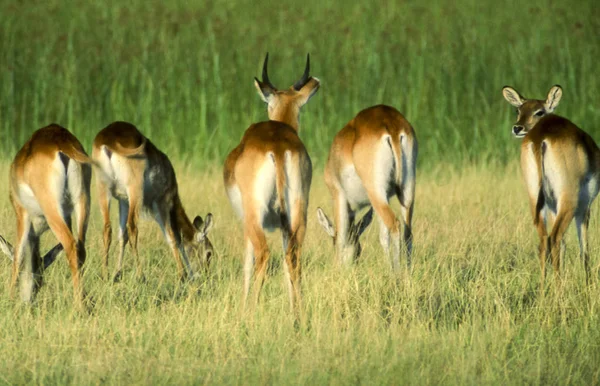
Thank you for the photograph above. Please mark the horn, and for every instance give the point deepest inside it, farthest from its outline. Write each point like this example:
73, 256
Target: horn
265, 75
305, 77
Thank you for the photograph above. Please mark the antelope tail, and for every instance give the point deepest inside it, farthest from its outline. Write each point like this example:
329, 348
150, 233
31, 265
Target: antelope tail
280, 161
135, 152
405, 151
395, 144
77, 155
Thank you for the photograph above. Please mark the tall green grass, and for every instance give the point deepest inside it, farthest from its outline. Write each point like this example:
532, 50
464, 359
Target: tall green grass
183, 71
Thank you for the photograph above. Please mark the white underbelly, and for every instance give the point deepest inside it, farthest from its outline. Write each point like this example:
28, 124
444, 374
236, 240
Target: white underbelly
28, 200
116, 174
353, 188
235, 198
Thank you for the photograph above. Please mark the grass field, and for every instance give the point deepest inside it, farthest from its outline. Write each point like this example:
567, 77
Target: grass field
183, 71
468, 313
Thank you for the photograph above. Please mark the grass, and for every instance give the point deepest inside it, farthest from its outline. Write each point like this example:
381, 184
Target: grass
183, 71
469, 313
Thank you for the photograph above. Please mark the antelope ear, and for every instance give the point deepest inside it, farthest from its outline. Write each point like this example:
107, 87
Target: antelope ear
553, 98
364, 222
208, 224
7, 248
309, 89
198, 222
203, 227
265, 91
512, 96
325, 223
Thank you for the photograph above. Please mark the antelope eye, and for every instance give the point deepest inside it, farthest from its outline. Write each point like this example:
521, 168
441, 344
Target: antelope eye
540, 113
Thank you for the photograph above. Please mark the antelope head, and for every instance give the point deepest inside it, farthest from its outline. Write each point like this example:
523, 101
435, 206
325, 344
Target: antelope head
284, 105
200, 249
530, 111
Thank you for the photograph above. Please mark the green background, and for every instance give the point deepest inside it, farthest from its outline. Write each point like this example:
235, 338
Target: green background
183, 71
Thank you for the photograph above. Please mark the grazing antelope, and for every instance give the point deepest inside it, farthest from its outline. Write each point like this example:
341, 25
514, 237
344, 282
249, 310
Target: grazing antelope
49, 179
141, 177
268, 176
372, 159
561, 166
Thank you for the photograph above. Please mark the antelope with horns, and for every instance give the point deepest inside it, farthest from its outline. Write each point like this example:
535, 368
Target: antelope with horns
372, 159
142, 178
49, 180
267, 178
561, 166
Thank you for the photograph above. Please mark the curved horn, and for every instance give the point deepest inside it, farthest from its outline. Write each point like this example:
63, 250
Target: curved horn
305, 77
265, 74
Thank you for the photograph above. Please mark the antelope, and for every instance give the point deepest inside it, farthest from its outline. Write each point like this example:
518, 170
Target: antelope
372, 159
49, 180
561, 166
142, 178
267, 178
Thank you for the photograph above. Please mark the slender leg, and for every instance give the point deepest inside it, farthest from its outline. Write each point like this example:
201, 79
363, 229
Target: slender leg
384, 237
104, 197
135, 203
405, 191
344, 253
261, 253
24, 227
82, 210
182, 257
123, 237
248, 269
285, 235
168, 223
74, 251
390, 222
563, 219
544, 247
292, 256
406, 211
30, 275
582, 221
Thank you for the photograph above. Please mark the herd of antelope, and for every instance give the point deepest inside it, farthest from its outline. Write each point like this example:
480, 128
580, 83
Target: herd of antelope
267, 179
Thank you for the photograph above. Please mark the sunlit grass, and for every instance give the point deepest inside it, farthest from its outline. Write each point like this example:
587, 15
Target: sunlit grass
469, 312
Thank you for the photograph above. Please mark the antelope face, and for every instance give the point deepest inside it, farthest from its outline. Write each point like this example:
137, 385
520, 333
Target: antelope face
351, 248
530, 111
284, 105
200, 250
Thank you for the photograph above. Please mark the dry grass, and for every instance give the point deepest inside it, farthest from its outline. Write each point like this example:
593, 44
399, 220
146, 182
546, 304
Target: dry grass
468, 313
